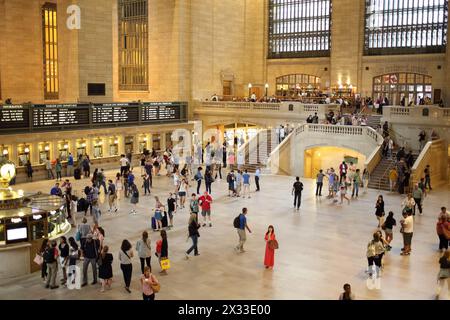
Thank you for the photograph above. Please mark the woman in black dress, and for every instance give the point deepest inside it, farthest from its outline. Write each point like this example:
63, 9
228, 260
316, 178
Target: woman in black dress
164, 253
105, 268
379, 206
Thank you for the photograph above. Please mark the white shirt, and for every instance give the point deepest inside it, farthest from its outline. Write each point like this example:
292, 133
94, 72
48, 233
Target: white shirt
408, 225
124, 162
391, 144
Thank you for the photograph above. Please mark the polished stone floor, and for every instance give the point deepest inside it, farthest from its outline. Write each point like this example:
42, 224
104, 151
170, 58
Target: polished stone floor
322, 247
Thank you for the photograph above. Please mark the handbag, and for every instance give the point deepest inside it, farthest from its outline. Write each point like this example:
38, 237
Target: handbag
273, 244
38, 259
78, 235
156, 287
165, 264
444, 273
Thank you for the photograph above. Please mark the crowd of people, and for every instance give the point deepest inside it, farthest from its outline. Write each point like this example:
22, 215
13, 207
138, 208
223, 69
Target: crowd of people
89, 247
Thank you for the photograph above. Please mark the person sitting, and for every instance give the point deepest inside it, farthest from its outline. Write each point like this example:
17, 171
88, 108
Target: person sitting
56, 190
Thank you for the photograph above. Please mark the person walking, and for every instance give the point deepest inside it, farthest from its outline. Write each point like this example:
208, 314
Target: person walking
193, 205
90, 253
393, 177
205, 203
342, 171
269, 256
134, 198
257, 178
159, 210
148, 283
102, 180
230, 181
374, 250
198, 177
124, 164
208, 180
297, 189
162, 250
356, 183
379, 210
343, 193
422, 139
240, 224
408, 204
388, 226
96, 213
443, 232
74, 255
41, 252
118, 183
86, 164
319, 183
246, 181
182, 192
125, 255
143, 249
112, 196
418, 197
193, 233
83, 230
444, 273
146, 184
407, 230
50, 258
427, 173
105, 272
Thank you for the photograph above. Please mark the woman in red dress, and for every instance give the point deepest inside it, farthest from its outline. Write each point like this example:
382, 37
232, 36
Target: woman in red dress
269, 257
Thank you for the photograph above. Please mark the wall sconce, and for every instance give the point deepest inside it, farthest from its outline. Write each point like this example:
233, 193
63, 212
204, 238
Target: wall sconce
46, 148
5, 151
83, 144
116, 141
27, 150
66, 145
145, 139
249, 85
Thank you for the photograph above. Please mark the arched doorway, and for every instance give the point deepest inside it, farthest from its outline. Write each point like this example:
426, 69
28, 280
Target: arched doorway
395, 86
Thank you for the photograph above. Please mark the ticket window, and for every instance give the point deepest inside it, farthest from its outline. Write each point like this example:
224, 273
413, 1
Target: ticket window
63, 151
169, 142
23, 155
142, 146
81, 148
4, 155
37, 227
156, 139
129, 146
43, 155
98, 151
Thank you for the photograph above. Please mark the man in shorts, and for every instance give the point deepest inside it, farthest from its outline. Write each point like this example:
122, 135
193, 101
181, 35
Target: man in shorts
205, 203
171, 207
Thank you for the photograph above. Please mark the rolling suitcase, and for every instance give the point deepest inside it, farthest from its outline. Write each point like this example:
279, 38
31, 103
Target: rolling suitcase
153, 223
164, 220
77, 174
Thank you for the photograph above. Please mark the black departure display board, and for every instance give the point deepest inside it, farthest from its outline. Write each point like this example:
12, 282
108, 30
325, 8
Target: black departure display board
160, 112
53, 117
14, 116
115, 113
60, 115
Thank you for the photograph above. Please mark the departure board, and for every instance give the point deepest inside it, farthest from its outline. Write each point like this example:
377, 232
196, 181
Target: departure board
115, 113
160, 112
55, 117
14, 116
60, 115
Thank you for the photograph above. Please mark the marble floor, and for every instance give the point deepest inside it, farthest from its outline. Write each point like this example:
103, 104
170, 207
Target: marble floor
322, 247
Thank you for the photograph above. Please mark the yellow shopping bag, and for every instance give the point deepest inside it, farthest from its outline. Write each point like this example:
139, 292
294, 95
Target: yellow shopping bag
165, 264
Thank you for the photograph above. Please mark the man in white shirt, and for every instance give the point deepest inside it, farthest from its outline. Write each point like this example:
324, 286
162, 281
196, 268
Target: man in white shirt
390, 147
124, 163
408, 228
282, 134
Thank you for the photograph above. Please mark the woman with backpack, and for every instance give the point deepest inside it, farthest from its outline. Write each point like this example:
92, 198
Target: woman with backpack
134, 197
125, 255
105, 268
374, 250
143, 249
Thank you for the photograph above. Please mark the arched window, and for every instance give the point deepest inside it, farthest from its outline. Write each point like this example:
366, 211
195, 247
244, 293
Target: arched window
396, 86
296, 85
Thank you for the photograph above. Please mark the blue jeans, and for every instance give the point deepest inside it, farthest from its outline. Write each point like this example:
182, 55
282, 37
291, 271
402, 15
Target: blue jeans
355, 189
194, 245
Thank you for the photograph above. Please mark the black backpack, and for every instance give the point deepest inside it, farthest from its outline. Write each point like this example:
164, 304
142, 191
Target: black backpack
49, 255
237, 222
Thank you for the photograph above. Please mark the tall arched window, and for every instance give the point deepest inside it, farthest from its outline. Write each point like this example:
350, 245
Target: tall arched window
396, 86
299, 28
405, 26
296, 84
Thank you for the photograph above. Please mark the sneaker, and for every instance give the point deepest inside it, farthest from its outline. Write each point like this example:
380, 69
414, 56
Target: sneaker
242, 251
95, 282
128, 290
54, 287
84, 284
204, 225
109, 210
197, 254
115, 210
210, 225
47, 286
102, 290
186, 256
